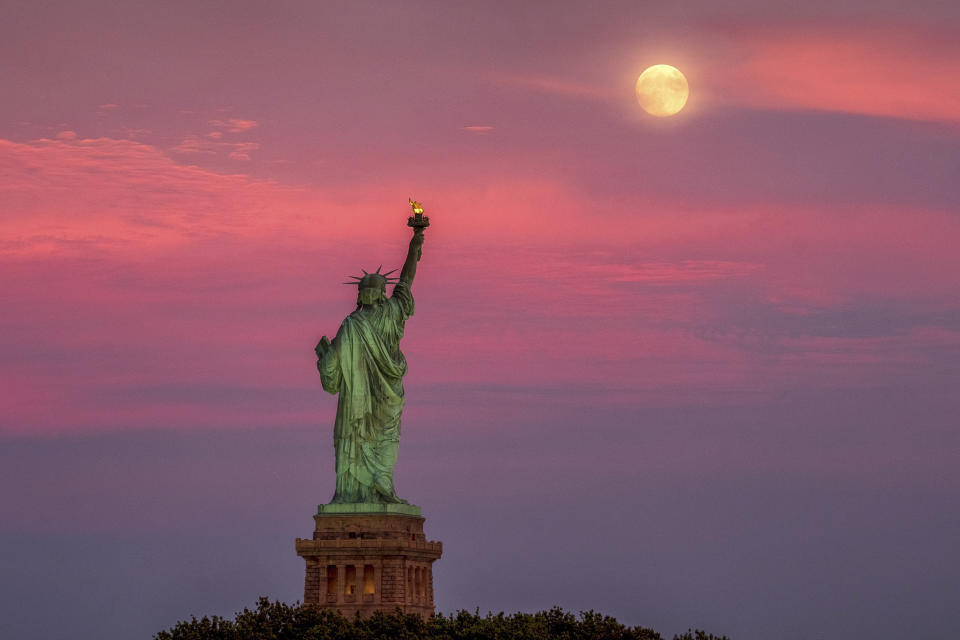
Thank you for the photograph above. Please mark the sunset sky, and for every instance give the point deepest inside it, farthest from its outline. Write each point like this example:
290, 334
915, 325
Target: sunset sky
697, 371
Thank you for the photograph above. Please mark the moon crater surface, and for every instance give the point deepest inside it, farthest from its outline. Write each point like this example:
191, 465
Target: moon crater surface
662, 90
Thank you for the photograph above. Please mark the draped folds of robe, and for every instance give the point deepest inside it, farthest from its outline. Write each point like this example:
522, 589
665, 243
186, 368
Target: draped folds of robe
364, 366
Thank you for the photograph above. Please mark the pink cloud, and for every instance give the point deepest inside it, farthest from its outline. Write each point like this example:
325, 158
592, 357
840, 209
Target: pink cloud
139, 280
120, 195
211, 144
234, 125
241, 150
884, 71
134, 133
676, 273
195, 144
478, 129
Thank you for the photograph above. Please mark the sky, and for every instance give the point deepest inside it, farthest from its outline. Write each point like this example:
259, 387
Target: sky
697, 371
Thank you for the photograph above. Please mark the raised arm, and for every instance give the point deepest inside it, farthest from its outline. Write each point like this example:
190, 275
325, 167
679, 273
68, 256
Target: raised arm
413, 256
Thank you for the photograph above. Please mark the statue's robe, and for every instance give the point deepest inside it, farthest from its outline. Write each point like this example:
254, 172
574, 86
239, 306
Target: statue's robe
365, 366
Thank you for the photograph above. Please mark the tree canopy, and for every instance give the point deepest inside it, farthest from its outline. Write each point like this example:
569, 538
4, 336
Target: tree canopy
280, 621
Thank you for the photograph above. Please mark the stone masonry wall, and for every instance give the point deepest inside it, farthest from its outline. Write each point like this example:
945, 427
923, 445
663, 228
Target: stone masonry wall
393, 583
392, 545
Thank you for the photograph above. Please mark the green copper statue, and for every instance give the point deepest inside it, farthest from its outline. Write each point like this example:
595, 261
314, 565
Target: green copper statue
364, 365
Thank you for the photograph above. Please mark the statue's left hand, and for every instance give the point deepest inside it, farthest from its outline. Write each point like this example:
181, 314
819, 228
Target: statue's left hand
322, 347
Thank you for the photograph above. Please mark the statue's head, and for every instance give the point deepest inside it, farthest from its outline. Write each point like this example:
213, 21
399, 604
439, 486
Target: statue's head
372, 287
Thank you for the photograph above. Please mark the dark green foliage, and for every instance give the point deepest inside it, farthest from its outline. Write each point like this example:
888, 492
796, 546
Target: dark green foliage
698, 635
555, 624
279, 621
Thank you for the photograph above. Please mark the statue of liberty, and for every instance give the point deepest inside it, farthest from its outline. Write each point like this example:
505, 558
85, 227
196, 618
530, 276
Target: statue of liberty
364, 365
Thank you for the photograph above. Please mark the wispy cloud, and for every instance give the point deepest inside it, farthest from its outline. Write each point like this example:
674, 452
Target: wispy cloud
241, 150
234, 125
901, 73
212, 144
132, 133
674, 273
219, 141
478, 129
120, 194
195, 144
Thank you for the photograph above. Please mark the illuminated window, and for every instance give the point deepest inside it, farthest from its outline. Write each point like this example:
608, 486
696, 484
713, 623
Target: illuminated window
368, 584
350, 582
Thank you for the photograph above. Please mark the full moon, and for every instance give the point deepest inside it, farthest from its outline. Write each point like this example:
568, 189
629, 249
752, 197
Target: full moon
662, 90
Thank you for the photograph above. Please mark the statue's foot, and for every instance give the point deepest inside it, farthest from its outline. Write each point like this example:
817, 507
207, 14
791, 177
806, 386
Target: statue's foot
392, 499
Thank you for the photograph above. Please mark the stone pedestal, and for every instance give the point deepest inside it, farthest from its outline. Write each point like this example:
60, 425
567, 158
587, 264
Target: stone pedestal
366, 558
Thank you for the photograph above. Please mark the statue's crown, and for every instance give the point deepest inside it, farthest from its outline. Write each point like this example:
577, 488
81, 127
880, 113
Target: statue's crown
375, 280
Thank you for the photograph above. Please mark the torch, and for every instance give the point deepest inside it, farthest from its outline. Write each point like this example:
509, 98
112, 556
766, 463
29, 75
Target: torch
417, 220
